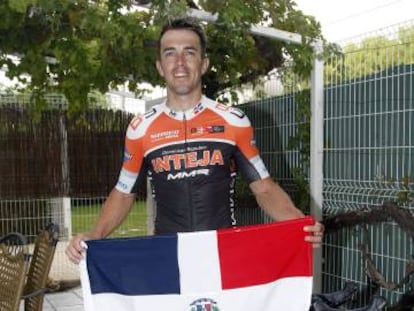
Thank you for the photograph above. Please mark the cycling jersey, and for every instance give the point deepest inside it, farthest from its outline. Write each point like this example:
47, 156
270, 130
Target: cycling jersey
190, 158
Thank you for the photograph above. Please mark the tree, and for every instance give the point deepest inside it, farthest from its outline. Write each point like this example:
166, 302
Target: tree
372, 55
78, 46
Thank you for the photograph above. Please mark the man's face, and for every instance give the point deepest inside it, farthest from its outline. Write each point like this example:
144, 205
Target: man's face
181, 63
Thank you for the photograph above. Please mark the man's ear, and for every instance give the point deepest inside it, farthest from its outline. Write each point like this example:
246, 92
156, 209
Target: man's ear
159, 68
205, 64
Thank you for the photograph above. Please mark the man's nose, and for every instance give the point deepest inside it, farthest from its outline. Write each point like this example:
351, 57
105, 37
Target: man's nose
180, 58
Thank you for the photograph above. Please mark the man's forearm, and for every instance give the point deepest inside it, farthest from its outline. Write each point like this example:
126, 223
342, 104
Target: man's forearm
274, 200
114, 210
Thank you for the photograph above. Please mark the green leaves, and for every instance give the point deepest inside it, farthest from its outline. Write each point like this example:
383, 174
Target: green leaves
370, 56
76, 47
166, 10
20, 6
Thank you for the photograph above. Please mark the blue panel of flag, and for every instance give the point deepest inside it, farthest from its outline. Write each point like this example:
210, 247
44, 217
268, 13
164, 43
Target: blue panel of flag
151, 264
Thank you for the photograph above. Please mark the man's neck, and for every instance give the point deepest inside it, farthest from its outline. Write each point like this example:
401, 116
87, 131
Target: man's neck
183, 102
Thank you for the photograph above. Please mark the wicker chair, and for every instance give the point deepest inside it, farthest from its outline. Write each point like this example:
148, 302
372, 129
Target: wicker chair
13, 268
39, 268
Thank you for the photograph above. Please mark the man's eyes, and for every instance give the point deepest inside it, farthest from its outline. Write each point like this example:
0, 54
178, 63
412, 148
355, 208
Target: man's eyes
174, 53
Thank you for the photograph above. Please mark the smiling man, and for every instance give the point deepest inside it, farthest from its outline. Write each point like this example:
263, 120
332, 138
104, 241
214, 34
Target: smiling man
191, 149
182, 62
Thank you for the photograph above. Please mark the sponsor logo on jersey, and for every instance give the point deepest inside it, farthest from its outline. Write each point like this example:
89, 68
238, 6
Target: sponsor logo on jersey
127, 155
222, 107
204, 304
150, 113
237, 112
122, 185
165, 134
136, 121
207, 129
192, 159
184, 174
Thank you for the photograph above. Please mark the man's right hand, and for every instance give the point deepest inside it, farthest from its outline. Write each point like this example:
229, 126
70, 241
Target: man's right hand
75, 250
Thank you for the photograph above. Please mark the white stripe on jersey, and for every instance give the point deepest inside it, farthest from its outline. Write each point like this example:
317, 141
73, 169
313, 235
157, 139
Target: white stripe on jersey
139, 125
260, 167
231, 115
126, 181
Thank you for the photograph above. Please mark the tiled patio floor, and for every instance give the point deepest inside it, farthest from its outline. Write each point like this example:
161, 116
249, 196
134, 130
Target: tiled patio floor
63, 301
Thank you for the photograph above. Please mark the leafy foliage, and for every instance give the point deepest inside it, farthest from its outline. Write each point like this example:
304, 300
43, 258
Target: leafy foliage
77, 46
371, 56
301, 142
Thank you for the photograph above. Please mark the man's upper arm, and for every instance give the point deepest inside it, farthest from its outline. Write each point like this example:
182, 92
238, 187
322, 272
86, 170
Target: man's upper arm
133, 171
247, 156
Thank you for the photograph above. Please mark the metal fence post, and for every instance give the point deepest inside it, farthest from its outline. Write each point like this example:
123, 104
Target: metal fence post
316, 153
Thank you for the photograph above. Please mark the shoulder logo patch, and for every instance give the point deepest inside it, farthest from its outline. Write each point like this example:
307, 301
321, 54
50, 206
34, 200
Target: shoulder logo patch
237, 112
136, 121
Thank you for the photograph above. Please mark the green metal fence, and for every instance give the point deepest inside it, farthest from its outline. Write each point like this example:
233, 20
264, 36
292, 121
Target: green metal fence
368, 160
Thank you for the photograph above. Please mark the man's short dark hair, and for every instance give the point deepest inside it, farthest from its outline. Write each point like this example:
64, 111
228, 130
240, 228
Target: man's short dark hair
187, 23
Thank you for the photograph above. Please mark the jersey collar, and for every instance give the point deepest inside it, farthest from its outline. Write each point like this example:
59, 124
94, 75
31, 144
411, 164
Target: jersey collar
185, 114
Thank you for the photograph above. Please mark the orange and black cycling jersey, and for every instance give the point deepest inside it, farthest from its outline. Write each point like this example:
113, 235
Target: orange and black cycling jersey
191, 158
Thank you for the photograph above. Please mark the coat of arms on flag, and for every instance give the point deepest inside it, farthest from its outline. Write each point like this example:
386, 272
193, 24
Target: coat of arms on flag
262, 267
204, 304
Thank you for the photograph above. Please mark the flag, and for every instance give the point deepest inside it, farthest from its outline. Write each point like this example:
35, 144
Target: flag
254, 268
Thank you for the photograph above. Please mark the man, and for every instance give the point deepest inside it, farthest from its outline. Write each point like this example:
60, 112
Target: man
189, 148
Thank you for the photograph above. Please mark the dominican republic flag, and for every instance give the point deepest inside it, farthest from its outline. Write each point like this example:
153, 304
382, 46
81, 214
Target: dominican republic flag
253, 268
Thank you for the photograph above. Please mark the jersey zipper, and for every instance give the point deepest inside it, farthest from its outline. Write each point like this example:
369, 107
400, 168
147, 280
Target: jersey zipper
187, 180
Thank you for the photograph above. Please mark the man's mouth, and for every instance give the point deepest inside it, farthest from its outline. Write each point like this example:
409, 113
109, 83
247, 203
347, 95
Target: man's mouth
180, 75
